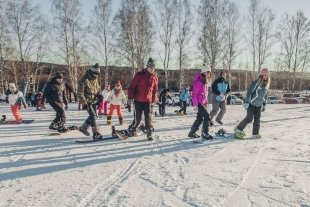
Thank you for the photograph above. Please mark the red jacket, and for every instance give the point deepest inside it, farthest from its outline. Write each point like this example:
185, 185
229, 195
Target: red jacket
143, 87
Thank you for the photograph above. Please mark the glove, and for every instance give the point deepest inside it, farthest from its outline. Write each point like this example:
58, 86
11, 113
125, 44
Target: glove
66, 107
246, 106
195, 108
263, 108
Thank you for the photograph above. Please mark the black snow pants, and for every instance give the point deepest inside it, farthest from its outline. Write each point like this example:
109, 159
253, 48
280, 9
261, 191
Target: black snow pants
139, 108
255, 112
162, 109
202, 117
60, 113
92, 112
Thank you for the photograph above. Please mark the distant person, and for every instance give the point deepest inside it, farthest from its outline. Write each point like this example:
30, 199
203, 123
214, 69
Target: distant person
220, 90
89, 95
116, 98
201, 84
143, 90
16, 100
163, 96
184, 96
255, 102
55, 94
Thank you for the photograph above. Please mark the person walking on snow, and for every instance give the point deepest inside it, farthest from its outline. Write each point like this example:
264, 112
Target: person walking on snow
55, 94
220, 89
89, 95
184, 96
16, 100
143, 90
162, 101
255, 102
200, 100
104, 105
116, 98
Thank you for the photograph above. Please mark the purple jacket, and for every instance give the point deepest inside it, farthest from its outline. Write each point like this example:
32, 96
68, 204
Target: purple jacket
200, 91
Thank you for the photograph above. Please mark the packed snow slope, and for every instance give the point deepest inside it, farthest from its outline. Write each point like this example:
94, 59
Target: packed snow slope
41, 170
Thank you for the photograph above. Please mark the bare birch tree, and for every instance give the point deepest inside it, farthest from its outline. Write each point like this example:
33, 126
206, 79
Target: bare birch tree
134, 32
103, 35
184, 34
212, 18
260, 22
294, 36
24, 20
231, 37
165, 18
69, 35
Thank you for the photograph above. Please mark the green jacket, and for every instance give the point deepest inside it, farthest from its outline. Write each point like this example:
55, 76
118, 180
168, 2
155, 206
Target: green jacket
88, 89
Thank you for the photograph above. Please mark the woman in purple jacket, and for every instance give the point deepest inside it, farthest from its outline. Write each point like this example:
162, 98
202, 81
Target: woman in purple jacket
200, 100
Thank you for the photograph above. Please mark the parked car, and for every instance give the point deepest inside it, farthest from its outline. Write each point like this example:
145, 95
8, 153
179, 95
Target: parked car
300, 98
232, 99
239, 95
274, 100
175, 99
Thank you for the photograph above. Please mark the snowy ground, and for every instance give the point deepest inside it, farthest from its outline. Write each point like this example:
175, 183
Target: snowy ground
40, 170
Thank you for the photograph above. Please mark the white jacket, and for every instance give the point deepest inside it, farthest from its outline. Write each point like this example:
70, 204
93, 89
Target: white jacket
105, 94
15, 98
117, 100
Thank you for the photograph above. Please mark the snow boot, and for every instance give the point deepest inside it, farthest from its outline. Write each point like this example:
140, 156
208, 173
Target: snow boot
239, 134
150, 135
83, 129
121, 121
53, 126
62, 129
192, 134
109, 120
206, 136
96, 134
256, 136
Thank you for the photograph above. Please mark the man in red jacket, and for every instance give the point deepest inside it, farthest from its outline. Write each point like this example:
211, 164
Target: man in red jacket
143, 90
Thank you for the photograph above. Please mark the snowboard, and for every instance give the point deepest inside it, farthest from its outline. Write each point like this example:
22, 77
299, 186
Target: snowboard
15, 122
95, 140
56, 133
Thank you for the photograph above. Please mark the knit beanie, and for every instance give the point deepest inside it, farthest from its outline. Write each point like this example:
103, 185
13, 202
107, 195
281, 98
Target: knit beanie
95, 68
150, 63
205, 68
58, 76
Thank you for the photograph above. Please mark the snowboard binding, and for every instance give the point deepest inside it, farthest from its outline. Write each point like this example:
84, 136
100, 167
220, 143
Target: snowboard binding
222, 132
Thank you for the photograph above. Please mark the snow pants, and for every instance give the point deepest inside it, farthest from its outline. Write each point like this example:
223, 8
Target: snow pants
255, 112
92, 115
216, 105
118, 110
16, 112
202, 117
139, 108
60, 113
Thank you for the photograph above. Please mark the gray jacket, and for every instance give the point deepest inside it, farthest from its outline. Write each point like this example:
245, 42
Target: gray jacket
256, 95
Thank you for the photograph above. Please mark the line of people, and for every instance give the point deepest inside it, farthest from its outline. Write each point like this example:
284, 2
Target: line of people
142, 93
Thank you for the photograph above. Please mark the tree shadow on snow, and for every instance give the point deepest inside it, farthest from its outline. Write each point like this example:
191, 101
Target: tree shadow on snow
77, 160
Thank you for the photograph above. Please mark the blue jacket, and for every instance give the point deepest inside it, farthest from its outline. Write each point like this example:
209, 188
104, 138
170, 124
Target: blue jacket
184, 95
220, 86
256, 95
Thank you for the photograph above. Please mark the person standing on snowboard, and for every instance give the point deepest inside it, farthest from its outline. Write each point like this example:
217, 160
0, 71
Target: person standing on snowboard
16, 100
143, 90
200, 100
89, 95
255, 103
55, 94
220, 89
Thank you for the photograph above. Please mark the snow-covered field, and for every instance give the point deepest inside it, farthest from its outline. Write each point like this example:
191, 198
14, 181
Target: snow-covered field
40, 170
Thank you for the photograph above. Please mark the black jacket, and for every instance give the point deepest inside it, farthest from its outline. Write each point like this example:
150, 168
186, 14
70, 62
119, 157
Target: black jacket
55, 92
163, 96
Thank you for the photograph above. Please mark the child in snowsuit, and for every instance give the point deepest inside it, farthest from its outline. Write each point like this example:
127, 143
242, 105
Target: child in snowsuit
16, 100
116, 98
162, 101
104, 104
55, 94
200, 101
220, 89
255, 102
184, 96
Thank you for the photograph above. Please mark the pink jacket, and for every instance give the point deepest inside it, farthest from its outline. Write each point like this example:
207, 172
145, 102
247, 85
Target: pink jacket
200, 91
